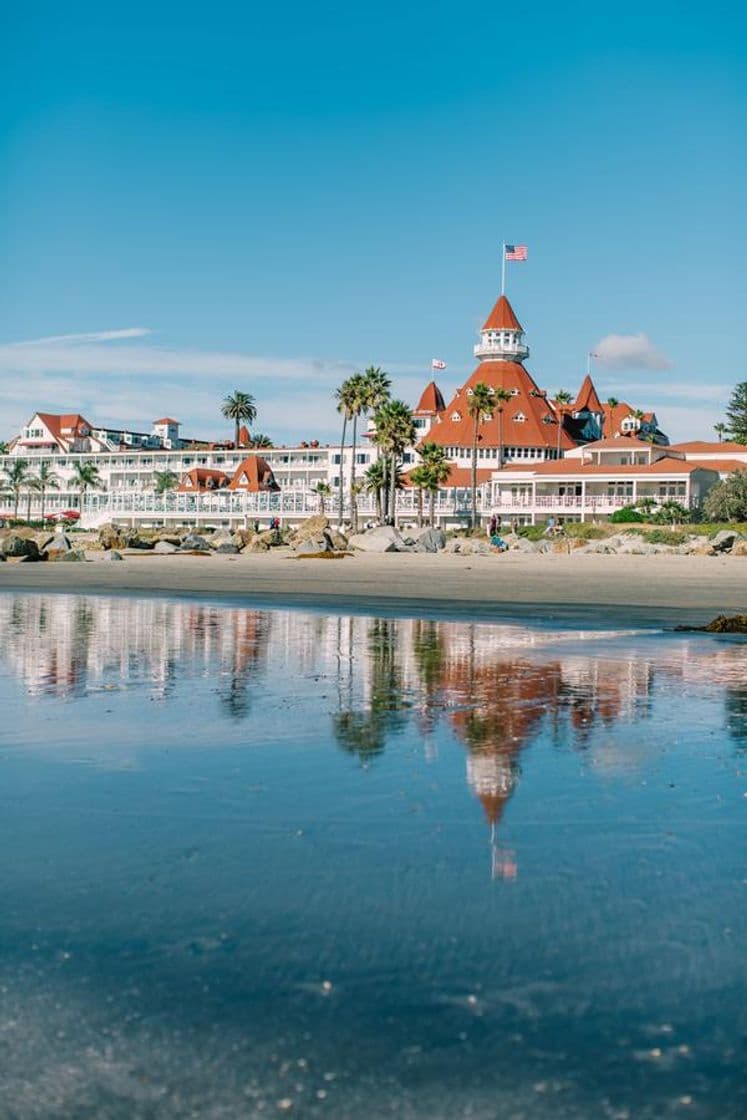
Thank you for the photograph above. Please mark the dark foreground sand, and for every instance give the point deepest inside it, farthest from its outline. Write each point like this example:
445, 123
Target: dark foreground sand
644, 589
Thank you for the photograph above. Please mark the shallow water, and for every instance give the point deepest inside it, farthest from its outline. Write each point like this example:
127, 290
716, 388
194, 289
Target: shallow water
263, 863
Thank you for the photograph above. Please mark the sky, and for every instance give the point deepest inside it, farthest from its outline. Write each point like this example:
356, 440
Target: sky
201, 198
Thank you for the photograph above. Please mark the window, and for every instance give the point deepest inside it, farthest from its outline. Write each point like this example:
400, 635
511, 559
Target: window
520, 417
456, 416
514, 392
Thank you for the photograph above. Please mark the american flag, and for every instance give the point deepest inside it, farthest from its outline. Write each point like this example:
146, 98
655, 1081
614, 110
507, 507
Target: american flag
438, 364
516, 252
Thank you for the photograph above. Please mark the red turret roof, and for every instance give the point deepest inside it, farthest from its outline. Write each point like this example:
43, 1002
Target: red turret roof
502, 318
529, 420
431, 400
165, 420
244, 438
587, 399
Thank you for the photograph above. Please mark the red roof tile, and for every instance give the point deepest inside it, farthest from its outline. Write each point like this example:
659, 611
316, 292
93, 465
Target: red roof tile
202, 480
165, 420
706, 447
254, 474
587, 399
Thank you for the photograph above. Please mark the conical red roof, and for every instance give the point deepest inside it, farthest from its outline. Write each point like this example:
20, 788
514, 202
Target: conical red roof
431, 399
587, 399
502, 318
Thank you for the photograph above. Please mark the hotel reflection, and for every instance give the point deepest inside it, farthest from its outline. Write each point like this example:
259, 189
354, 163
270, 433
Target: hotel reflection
497, 688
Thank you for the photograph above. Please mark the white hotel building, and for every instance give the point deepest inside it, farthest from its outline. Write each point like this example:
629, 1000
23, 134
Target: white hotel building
537, 457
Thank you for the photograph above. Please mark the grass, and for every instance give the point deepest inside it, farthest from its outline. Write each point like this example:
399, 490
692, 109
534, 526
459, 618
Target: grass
664, 536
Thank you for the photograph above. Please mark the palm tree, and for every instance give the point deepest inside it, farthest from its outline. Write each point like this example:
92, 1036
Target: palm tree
613, 402
501, 396
420, 478
86, 477
165, 480
720, 430
240, 408
260, 440
45, 480
438, 467
357, 387
561, 397
323, 491
3, 447
16, 477
395, 430
480, 406
345, 396
374, 479
373, 390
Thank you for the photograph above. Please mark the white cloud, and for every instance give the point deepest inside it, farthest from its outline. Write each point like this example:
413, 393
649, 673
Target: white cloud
630, 351
89, 336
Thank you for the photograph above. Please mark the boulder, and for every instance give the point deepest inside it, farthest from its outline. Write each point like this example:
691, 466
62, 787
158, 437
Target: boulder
56, 545
74, 556
432, 540
112, 554
312, 547
221, 536
337, 540
724, 541
384, 538
256, 544
110, 536
739, 548
164, 548
176, 541
310, 529
521, 544
227, 547
194, 543
20, 547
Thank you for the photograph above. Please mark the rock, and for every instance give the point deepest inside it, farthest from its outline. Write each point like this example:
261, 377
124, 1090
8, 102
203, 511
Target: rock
256, 544
56, 545
164, 548
176, 541
110, 537
521, 544
722, 624
337, 540
313, 546
739, 548
74, 556
221, 536
20, 547
724, 541
432, 540
384, 538
227, 547
194, 543
311, 529
112, 554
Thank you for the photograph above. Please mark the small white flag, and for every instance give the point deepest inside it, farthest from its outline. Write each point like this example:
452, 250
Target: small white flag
436, 363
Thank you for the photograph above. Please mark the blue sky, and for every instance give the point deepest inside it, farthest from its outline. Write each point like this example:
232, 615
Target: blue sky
280, 196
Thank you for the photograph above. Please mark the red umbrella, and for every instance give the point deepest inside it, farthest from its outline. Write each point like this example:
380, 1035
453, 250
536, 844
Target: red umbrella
70, 514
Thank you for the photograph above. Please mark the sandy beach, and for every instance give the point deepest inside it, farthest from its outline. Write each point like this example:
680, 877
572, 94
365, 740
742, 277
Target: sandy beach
647, 589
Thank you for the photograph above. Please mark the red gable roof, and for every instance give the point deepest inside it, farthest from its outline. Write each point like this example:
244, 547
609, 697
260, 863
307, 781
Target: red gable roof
587, 399
527, 401
253, 474
709, 447
201, 480
165, 420
431, 400
502, 318
614, 414
458, 477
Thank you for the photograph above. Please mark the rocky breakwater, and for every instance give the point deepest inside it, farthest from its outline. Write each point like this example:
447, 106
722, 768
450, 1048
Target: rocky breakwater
315, 537
24, 546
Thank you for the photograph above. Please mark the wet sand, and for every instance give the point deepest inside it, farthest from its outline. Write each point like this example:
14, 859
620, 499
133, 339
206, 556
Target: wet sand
645, 589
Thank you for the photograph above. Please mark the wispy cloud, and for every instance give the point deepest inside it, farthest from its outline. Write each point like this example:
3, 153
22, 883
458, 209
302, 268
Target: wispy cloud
89, 336
630, 351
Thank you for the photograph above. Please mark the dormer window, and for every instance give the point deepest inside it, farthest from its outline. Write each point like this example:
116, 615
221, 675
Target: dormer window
514, 392
457, 416
520, 417
548, 419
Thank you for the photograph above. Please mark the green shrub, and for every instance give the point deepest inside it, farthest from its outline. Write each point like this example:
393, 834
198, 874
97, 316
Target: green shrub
664, 536
531, 532
626, 515
584, 531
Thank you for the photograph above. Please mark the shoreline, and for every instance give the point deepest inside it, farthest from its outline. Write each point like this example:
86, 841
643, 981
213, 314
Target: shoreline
646, 591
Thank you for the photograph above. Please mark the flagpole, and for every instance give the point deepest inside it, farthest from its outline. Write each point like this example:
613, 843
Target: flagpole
503, 269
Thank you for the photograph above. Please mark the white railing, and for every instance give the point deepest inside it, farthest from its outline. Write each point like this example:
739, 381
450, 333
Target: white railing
591, 502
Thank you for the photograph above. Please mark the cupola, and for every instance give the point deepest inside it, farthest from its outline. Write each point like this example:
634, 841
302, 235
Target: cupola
502, 336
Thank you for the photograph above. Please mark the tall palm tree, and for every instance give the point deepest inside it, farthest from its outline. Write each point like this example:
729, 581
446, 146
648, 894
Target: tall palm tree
16, 477
395, 430
501, 396
480, 405
323, 491
3, 447
373, 391
720, 430
165, 480
345, 396
45, 480
561, 397
357, 386
613, 402
86, 477
438, 467
240, 408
